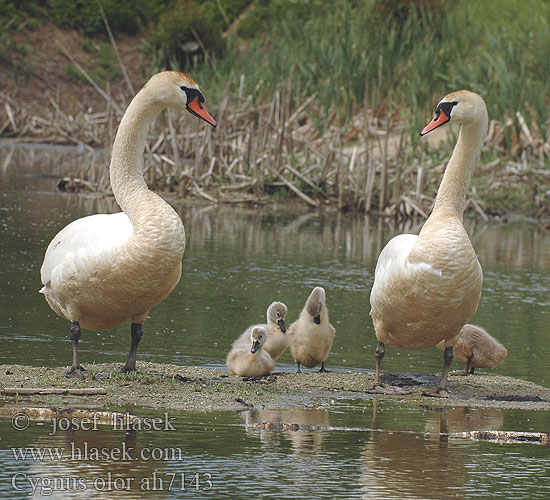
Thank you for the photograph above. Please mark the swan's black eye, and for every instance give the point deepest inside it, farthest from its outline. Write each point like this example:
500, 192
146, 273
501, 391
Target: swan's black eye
192, 93
446, 107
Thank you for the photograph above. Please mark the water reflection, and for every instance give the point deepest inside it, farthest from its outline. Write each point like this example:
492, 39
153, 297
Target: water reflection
463, 419
101, 463
408, 465
399, 451
398, 465
303, 441
521, 244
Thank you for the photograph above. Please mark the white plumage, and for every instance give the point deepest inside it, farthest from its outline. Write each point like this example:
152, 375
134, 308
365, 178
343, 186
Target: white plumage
102, 269
427, 287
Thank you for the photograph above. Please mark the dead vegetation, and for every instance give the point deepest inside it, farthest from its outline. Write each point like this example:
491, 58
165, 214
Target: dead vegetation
265, 150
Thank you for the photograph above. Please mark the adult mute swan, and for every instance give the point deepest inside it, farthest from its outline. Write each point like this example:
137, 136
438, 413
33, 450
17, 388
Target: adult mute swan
311, 335
102, 269
428, 286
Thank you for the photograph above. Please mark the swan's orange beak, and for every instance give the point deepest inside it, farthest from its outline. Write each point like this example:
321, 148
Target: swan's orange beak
196, 107
439, 119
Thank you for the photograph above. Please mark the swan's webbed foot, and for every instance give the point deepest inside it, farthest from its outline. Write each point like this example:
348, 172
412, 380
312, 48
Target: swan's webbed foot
441, 391
77, 371
387, 389
438, 393
378, 387
459, 373
128, 368
323, 369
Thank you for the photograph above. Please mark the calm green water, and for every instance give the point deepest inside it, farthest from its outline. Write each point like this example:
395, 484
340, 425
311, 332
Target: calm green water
213, 455
236, 263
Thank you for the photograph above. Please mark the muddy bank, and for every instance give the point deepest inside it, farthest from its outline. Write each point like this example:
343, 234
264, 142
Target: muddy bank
191, 388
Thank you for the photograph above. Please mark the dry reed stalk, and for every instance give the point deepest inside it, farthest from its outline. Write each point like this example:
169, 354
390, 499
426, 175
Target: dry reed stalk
11, 119
85, 74
254, 143
115, 49
173, 140
369, 186
297, 191
384, 177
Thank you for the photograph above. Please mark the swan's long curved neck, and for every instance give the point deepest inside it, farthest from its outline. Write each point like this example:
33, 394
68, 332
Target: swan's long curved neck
451, 196
155, 223
126, 170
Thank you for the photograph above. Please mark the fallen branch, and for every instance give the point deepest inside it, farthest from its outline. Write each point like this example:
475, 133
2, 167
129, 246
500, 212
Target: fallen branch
542, 438
85, 391
47, 414
85, 74
302, 195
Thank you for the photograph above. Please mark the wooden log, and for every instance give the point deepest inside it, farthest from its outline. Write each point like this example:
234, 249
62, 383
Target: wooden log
83, 391
542, 438
74, 415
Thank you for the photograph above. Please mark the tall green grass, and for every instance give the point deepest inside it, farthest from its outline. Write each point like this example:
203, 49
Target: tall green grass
349, 57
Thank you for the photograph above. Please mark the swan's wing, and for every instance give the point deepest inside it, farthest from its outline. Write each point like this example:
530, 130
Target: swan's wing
85, 237
391, 267
392, 257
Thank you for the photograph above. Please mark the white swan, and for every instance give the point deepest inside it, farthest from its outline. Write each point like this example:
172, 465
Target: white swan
476, 348
427, 287
102, 269
311, 335
250, 359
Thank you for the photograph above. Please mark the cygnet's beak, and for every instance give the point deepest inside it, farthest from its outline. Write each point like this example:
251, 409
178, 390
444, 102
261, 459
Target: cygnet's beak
282, 325
255, 346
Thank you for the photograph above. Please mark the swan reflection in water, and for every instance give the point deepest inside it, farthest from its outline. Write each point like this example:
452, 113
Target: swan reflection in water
409, 465
307, 442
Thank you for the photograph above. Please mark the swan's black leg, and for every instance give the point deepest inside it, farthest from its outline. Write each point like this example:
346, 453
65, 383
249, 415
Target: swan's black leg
298, 365
137, 333
379, 388
447, 360
323, 369
379, 355
76, 369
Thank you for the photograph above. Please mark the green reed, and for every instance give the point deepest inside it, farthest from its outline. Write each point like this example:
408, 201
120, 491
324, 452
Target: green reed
349, 58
